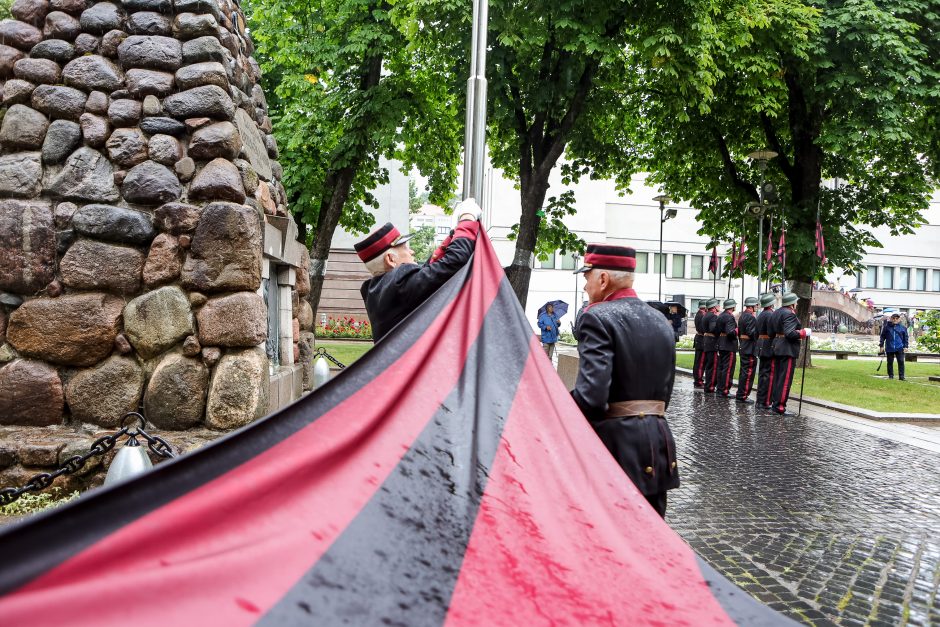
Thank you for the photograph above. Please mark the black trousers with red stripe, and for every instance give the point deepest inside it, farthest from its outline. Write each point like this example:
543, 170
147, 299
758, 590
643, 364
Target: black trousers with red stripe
711, 370
698, 368
746, 377
784, 369
765, 380
726, 363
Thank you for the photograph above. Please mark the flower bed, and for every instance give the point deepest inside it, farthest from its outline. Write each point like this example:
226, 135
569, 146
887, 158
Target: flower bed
346, 327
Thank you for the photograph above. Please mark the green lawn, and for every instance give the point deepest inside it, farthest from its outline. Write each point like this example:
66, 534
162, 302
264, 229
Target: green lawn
345, 352
855, 383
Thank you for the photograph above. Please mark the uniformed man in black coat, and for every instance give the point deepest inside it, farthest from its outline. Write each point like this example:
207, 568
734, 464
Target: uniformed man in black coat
698, 368
788, 333
710, 344
727, 343
399, 285
747, 348
626, 372
765, 351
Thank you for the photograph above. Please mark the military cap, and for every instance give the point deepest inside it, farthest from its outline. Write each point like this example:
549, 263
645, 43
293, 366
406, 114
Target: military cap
790, 298
767, 299
728, 304
379, 241
750, 301
607, 257
703, 304
712, 302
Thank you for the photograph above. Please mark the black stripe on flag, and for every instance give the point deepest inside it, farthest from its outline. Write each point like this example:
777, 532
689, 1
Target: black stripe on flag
397, 562
66, 530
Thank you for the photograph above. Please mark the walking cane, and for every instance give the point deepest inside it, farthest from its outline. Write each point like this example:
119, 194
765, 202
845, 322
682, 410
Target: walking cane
803, 377
878, 369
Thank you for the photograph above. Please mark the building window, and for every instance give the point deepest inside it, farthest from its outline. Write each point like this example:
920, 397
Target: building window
444, 230
678, 266
936, 280
871, 277
887, 278
658, 263
548, 264
904, 279
567, 262
920, 280
698, 267
642, 262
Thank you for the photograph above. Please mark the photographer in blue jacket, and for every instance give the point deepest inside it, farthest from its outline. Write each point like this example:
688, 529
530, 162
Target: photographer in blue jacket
548, 325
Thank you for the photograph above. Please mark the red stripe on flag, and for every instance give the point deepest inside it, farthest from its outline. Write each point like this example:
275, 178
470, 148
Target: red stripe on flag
584, 548
228, 551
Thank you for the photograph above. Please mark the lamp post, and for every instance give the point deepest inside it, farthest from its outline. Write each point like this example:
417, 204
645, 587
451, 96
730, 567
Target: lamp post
664, 215
761, 157
574, 258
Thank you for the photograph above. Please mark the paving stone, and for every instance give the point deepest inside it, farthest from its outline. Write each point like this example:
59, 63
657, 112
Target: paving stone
61, 25
101, 18
149, 23
59, 102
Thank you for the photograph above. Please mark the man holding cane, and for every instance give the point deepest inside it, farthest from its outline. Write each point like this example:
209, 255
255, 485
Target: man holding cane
894, 342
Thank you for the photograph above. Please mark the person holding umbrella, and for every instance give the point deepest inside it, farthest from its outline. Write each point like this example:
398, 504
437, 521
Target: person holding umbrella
548, 325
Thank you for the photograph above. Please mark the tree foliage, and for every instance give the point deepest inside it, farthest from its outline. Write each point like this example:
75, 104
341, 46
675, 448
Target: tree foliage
842, 89
930, 340
347, 89
423, 243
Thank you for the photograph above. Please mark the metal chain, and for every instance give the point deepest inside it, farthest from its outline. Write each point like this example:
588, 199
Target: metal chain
102, 445
321, 352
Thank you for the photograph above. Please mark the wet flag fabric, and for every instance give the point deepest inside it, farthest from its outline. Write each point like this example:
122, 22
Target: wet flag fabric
713, 262
820, 243
444, 478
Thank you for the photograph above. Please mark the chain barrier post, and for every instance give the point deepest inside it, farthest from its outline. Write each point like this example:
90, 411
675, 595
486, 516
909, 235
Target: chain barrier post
157, 445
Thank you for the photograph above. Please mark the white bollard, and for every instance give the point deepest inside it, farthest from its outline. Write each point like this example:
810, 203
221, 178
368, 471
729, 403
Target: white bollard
321, 372
130, 461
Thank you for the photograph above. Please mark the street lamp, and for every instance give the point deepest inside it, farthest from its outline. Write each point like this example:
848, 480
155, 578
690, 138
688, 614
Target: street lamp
574, 258
664, 215
761, 157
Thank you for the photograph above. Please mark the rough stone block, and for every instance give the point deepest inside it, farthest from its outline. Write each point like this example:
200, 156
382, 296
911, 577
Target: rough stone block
93, 265
27, 245
114, 224
157, 320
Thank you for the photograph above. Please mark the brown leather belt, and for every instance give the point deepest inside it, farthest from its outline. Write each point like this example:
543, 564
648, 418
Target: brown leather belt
745, 337
629, 409
781, 335
710, 334
763, 337
722, 334
699, 334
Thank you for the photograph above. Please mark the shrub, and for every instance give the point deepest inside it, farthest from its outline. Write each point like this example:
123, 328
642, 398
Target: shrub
346, 327
930, 339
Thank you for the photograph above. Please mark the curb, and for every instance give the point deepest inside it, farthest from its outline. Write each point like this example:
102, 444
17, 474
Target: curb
933, 419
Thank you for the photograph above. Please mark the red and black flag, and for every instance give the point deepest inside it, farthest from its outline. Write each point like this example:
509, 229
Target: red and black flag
446, 477
713, 262
782, 250
820, 243
769, 255
739, 258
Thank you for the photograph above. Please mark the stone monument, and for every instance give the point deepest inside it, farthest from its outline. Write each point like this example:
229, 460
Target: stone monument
147, 258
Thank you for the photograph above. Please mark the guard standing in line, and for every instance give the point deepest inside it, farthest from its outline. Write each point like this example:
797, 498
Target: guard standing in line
710, 345
626, 372
398, 285
765, 350
698, 368
747, 334
788, 332
727, 347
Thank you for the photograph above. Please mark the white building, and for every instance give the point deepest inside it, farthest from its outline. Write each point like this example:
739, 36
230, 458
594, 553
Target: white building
434, 217
905, 273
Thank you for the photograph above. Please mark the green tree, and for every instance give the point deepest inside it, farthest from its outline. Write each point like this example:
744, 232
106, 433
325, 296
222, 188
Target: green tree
423, 243
5, 9
346, 89
843, 89
930, 340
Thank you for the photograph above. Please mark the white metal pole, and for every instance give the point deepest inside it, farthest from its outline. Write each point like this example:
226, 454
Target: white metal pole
475, 133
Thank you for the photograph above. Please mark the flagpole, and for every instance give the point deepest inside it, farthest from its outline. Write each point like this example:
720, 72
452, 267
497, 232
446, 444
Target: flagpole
806, 348
475, 132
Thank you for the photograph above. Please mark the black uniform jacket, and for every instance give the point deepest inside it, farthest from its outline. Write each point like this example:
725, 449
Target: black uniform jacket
392, 296
786, 323
727, 332
628, 353
697, 342
709, 324
747, 325
765, 346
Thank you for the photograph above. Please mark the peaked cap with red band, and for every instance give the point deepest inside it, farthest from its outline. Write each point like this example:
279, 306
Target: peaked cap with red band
605, 257
379, 241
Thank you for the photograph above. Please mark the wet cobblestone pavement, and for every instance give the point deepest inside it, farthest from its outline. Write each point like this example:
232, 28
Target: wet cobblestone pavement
825, 524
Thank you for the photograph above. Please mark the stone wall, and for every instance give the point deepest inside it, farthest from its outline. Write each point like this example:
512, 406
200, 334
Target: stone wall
138, 179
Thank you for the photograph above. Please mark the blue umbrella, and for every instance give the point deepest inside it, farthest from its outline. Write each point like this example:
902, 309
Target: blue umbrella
560, 306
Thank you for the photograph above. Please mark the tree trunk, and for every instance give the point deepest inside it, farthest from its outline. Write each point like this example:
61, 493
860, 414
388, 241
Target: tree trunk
328, 218
534, 189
